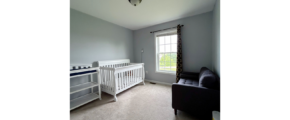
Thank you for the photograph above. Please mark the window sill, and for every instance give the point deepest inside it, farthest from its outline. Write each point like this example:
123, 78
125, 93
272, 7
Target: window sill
169, 73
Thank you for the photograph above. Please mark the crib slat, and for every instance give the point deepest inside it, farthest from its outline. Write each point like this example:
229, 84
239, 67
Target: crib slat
116, 79
107, 77
127, 79
130, 77
110, 79
119, 81
104, 79
134, 76
105, 72
138, 74
100, 78
123, 80
113, 83
107, 82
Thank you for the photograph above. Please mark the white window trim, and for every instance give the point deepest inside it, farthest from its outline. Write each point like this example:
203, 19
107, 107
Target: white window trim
170, 31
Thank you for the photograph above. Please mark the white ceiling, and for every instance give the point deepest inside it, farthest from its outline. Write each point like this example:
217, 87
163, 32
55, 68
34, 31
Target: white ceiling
148, 13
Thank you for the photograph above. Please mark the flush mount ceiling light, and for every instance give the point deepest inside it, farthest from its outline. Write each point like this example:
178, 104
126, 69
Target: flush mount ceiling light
135, 2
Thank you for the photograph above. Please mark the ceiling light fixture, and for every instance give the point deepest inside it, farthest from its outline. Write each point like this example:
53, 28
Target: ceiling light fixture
135, 2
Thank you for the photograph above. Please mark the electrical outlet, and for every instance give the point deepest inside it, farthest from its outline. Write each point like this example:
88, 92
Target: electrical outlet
146, 72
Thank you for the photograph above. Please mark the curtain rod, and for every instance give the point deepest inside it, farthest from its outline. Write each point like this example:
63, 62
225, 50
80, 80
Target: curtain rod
165, 29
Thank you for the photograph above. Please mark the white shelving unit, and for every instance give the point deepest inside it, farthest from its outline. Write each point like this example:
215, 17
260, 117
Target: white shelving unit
89, 85
81, 87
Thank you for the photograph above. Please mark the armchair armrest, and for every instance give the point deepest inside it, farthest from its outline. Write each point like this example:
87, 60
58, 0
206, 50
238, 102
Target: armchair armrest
194, 98
189, 75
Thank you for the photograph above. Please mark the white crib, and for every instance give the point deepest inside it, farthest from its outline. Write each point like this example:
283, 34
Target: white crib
119, 75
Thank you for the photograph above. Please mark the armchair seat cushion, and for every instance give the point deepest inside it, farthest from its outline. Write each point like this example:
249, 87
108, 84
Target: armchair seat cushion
188, 82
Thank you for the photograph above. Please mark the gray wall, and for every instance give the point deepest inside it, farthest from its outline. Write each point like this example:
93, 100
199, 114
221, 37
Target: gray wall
92, 39
196, 45
216, 38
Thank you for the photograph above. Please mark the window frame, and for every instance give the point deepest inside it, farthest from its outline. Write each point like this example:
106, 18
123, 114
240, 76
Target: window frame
156, 47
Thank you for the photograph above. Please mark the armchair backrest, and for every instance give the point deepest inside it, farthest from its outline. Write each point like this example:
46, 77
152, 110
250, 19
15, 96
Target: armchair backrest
208, 79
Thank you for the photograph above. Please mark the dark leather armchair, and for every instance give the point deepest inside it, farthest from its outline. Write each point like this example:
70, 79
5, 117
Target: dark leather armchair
197, 93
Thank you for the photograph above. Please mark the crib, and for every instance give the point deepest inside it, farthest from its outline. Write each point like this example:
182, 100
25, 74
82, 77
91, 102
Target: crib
119, 75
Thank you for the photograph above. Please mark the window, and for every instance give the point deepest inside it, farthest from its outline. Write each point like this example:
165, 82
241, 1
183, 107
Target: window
166, 51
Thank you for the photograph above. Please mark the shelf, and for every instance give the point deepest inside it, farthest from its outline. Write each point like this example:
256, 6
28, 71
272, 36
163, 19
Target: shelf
83, 70
86, 86
82, 74
83, 100
81, 87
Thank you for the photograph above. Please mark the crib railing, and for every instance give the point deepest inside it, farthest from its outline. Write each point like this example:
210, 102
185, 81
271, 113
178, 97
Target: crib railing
119, 77
116, 65
127, 76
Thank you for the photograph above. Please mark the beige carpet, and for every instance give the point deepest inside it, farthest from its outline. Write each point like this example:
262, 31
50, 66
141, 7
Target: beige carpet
149, 102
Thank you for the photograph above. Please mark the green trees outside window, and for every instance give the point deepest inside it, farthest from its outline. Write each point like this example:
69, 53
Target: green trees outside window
167, 61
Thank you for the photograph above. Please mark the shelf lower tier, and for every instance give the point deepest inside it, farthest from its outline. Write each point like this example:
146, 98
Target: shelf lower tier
81, 87
83, 100
83, 74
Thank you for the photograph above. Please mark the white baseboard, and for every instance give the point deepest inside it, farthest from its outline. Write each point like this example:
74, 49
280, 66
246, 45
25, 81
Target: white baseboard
164, 83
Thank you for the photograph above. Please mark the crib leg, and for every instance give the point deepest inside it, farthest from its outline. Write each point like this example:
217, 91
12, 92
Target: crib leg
143, 82
115, 97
